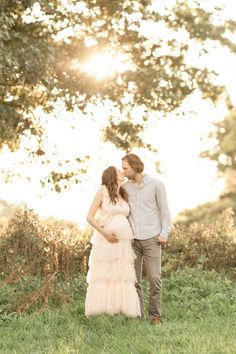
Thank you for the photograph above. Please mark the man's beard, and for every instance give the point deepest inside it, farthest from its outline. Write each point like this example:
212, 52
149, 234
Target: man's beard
130, 177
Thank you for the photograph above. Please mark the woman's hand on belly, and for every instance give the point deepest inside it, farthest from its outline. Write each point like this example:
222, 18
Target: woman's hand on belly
110, 236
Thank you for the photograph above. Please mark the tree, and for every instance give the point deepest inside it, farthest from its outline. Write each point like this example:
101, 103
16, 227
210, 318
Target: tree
45, 45
223, 151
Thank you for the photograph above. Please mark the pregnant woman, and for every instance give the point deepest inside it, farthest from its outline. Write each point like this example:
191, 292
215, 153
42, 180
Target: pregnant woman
111, 276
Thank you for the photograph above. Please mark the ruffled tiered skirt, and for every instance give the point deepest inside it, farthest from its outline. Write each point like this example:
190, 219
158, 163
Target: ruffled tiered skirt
111, 276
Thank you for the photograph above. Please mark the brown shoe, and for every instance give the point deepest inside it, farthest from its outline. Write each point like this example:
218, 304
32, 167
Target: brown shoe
157, 320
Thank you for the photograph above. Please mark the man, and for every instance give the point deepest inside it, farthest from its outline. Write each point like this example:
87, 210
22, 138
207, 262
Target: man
151, 224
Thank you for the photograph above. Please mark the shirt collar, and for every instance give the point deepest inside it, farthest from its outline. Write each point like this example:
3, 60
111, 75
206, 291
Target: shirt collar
144, 180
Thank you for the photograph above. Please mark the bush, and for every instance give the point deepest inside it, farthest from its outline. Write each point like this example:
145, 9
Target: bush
40, 260
30, 246
211, 247
37, 259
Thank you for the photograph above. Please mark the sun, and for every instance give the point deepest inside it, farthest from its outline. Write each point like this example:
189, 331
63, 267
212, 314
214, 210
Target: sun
105, 64
101, 66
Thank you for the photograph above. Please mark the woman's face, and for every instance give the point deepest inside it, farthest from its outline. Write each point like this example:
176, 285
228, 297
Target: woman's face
120, 176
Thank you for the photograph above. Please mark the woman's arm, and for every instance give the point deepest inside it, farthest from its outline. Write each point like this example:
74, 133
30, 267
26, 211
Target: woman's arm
97, 201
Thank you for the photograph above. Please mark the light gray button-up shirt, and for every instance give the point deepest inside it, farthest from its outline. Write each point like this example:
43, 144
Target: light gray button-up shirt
149, 215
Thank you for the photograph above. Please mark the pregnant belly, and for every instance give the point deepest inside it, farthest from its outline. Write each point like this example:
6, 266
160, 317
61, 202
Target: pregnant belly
120, 226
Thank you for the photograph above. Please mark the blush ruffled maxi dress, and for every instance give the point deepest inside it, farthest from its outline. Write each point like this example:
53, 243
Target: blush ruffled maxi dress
111, 276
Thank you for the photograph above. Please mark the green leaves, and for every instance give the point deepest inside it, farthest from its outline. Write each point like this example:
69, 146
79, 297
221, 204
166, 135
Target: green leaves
45, 45
224, 149
124, 135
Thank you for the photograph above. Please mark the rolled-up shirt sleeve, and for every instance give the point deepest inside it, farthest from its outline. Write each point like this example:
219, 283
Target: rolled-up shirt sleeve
165, 215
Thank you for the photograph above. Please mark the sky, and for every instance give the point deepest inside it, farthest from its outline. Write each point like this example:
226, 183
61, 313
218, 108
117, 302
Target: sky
189, 180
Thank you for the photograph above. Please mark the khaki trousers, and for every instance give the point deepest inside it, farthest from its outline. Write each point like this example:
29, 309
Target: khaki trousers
150, 252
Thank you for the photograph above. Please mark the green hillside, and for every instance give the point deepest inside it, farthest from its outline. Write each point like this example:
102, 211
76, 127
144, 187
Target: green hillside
207, 213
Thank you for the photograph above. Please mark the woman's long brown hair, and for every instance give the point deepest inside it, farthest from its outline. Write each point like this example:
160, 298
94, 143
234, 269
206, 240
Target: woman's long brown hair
109, 179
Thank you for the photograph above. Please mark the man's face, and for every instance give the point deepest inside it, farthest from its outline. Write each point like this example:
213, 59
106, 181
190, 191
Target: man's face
127, 170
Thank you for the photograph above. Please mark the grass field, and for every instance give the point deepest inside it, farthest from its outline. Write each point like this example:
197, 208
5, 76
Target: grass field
199, 310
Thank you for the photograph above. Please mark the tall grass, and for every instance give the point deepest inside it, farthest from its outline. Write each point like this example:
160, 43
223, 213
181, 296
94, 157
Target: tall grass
37, 257
40, 260
207, 247
29, 245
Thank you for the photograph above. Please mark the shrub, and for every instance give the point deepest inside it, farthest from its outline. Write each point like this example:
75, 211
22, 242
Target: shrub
211, 247
40, 260
31, 246
52, 252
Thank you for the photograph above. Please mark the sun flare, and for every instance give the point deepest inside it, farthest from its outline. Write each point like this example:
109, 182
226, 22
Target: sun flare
103, 65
